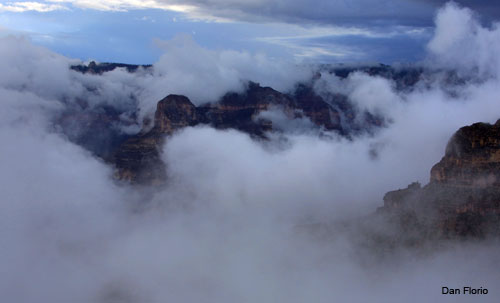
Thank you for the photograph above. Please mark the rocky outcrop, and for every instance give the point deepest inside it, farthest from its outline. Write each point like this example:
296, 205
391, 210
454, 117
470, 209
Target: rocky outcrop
138, 159
174, 112
100, 68
396, 199
462, 198
472, 157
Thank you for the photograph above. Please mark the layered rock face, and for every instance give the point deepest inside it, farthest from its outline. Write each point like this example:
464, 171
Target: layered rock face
174, 112
472, 157
138, 159
463, 196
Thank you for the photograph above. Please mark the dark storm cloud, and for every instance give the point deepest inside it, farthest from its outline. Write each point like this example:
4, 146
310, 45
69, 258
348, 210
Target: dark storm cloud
360, 12
325, 12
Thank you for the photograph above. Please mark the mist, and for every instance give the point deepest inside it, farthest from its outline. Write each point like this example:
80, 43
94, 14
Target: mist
228, 224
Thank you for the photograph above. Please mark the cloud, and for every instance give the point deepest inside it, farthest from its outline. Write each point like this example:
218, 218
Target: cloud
298, 41
25, 6
350, 43
124, 5
417, 13
185, 68
257, 10
486, 8
406, 12
205, 75
228, 226
323, 39
461, 42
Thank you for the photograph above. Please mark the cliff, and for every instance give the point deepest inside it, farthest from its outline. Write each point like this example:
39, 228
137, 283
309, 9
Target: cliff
138, 160
472, 157
462, 199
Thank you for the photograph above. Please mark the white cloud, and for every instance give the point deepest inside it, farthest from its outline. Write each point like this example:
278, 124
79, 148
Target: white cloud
24, 6
226, 228
461, 42
124, 5
205, 75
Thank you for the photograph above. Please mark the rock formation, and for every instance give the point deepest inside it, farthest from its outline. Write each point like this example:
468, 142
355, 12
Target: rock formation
472, 157
462, 198
138, 158
100, 68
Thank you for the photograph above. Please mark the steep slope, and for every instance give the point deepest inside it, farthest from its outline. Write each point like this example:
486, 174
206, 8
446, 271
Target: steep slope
472, 157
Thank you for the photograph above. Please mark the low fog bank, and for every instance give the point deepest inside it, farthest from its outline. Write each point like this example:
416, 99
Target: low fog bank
228, 226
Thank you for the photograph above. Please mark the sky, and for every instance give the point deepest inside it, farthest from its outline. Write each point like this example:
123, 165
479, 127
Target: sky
132, 31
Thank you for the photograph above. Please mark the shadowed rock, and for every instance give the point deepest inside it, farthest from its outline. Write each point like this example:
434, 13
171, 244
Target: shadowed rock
138, 159
462, 199
472, 157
